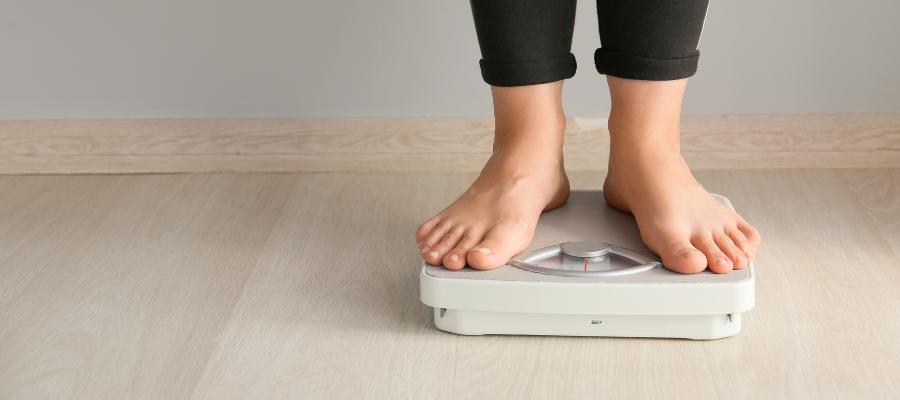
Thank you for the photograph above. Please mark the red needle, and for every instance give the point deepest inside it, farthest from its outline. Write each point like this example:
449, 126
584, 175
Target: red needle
585, 264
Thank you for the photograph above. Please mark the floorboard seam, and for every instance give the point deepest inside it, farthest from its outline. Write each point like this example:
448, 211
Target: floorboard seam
709, 364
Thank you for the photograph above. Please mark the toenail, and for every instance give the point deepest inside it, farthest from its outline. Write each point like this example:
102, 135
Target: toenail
434, 254
687, 253
418, 244
454, 257
424, 249
721, 261
484, 250
749, 254
741, 257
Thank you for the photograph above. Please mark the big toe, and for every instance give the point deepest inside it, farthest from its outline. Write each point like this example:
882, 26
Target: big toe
498, 246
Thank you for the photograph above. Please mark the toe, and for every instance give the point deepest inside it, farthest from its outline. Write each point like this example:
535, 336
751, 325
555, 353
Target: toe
727, 246
434, 237
741, 241
750, 233
683, 257
499, 245
436, 254
426, 228
456, 258
716, 260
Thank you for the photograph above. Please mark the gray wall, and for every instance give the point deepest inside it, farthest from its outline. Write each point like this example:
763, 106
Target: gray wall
325, 58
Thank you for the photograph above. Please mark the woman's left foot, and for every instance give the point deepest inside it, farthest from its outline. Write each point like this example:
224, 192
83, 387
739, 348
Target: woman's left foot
678, 219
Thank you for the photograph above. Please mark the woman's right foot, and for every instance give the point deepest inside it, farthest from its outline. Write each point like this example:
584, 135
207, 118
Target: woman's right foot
496, 217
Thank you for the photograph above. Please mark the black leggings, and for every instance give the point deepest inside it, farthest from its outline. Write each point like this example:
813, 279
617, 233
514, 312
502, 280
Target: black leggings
529, 42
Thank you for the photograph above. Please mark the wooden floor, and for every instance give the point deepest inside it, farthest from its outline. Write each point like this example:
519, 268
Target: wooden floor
304, 285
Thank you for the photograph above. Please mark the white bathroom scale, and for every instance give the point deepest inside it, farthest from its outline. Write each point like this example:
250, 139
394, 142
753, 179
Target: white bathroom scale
588, 273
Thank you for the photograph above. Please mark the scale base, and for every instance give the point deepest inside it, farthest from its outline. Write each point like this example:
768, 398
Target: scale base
697, 327
652, 303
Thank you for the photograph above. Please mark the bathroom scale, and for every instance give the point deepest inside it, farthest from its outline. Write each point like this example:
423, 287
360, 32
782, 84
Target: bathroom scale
588, 273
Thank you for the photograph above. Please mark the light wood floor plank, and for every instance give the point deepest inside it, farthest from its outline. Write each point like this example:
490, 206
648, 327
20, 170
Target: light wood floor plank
134, 302
582, 368
332, 309
879, 195
53, 198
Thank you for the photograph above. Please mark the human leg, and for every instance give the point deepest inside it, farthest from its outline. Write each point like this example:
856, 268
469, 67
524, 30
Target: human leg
647, 71
526, 54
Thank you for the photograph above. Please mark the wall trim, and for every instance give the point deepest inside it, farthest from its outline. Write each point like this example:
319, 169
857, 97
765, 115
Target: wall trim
416, 144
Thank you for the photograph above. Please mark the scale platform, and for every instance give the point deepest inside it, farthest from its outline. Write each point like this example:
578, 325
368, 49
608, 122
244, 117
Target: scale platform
588, 273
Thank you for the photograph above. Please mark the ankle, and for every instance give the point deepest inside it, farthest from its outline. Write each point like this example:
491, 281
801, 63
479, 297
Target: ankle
645, 115
514, 162
644, 131
539, 138
529, 118
530, 145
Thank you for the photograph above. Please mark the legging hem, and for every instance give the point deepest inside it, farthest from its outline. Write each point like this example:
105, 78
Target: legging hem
629, 66
528, 72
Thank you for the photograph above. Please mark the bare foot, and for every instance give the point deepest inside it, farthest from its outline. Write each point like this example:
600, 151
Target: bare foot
495, 218
678, 219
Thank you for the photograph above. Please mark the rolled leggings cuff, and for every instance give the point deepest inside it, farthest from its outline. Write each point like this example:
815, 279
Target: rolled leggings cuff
528, 72
628, 66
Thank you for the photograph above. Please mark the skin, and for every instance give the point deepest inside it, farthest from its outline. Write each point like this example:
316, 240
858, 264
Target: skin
678, 219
